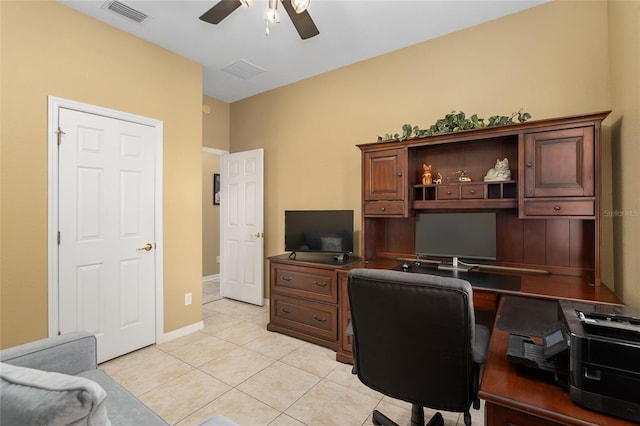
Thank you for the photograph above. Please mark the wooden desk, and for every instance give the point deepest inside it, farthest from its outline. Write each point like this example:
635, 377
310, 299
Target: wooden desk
485, 300
516, 396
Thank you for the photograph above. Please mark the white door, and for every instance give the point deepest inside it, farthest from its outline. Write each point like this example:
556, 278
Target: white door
242, 226
106, 256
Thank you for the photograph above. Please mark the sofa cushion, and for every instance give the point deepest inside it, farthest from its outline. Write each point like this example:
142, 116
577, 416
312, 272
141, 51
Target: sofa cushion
36, 397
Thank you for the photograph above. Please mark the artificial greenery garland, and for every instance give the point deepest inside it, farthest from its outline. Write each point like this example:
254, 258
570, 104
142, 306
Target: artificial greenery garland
454, 122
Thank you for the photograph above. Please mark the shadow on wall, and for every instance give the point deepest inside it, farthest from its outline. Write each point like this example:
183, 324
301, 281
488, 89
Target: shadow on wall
616, 190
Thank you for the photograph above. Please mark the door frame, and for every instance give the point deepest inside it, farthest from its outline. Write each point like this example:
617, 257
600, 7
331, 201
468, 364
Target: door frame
218, 153
54, 105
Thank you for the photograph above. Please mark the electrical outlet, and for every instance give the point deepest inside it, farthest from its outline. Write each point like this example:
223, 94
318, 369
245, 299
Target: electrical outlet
187, 299
218, 259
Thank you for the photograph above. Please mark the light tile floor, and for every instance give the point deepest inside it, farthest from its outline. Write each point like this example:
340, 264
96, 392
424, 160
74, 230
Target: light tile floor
236, 368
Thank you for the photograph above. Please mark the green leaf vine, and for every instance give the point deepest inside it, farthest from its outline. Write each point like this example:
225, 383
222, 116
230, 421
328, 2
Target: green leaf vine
454, 122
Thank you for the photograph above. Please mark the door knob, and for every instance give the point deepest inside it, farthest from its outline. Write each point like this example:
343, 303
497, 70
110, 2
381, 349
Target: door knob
147, 247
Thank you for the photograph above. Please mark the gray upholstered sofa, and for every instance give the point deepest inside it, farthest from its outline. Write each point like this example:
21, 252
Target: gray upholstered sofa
38, 394
56, 381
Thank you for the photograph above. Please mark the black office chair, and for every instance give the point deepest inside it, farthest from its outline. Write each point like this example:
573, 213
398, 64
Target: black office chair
415, 339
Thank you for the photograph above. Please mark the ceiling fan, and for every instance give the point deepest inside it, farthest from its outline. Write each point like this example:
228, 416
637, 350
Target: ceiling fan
296, 9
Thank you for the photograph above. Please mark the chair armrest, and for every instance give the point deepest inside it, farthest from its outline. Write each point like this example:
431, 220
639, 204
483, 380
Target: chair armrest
70, 353
481, 344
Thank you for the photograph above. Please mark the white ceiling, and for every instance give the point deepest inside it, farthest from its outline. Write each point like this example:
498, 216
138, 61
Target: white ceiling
350, 31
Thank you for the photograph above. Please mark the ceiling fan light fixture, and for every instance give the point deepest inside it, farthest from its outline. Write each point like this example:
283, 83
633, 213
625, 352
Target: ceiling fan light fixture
300, 5
296, 10
271, 14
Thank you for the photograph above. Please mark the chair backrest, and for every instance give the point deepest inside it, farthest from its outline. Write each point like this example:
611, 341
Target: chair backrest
413, 337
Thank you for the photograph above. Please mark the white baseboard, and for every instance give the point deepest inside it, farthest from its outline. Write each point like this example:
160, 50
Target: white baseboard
181, 332
211, 278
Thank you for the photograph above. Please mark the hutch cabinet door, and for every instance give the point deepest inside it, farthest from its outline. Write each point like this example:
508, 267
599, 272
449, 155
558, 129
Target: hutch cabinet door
385, 175
559, 163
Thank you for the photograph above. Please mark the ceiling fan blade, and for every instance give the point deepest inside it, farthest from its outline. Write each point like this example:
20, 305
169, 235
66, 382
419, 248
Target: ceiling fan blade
220, 11
302, 21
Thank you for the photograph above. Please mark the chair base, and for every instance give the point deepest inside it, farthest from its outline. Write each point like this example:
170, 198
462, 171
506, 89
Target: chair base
417, 418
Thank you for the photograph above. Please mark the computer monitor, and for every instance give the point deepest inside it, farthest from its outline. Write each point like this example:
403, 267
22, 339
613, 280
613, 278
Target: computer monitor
456, 235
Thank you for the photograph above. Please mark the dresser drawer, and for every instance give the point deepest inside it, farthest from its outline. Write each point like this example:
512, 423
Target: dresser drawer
312, 318
313, 283
382, 208
471, 191
559, 208
448, 192
499, 415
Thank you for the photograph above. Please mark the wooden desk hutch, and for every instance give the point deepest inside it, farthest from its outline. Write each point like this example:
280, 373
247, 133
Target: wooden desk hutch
547, 217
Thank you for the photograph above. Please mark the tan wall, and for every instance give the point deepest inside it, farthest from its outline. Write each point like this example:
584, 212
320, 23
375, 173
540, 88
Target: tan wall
49, 49
215, 123
215, 134
550, 60
624, 46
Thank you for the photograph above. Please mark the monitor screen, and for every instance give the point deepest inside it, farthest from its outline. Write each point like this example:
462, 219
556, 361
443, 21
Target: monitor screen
329, 231
464, 235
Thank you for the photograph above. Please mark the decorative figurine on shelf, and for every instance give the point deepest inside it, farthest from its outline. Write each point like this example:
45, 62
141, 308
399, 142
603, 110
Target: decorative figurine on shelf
439, 180
426, 174
500, 172
463, 177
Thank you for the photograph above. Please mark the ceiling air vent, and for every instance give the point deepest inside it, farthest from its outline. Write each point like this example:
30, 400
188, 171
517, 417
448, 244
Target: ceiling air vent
243, 69
126, 11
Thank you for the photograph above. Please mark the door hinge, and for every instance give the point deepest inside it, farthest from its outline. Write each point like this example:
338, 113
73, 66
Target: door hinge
58, 237
60, 133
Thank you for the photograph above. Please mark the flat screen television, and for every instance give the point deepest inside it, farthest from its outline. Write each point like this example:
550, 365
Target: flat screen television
456, 235
324, 231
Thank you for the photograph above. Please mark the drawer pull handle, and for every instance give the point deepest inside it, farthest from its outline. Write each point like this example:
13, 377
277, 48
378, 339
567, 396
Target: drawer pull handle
472, 192
283, 278
448, 192
529, 164
382, 208
399, 173
315, 317
317, 284
285, 311
556, 208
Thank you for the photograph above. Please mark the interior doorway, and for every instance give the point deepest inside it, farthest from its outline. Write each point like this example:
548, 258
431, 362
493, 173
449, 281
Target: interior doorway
210, 226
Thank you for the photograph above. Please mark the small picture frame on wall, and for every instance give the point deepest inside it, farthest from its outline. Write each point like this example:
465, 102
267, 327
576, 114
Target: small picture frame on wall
216, 189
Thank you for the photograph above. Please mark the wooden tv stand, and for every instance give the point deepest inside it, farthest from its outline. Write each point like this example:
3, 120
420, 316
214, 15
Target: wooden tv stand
304, 301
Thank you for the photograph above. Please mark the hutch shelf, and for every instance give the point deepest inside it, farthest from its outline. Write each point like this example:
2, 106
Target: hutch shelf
502, 194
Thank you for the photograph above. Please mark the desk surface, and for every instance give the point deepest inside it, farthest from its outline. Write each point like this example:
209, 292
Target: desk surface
529, 391
532, 285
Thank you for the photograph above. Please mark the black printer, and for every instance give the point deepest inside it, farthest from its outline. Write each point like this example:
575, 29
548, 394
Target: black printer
604, 357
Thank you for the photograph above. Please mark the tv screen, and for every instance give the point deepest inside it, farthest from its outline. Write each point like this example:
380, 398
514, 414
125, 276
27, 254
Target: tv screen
328, 231
464, 235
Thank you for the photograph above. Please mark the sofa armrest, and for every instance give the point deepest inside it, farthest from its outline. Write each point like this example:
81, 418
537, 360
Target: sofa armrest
69, 353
